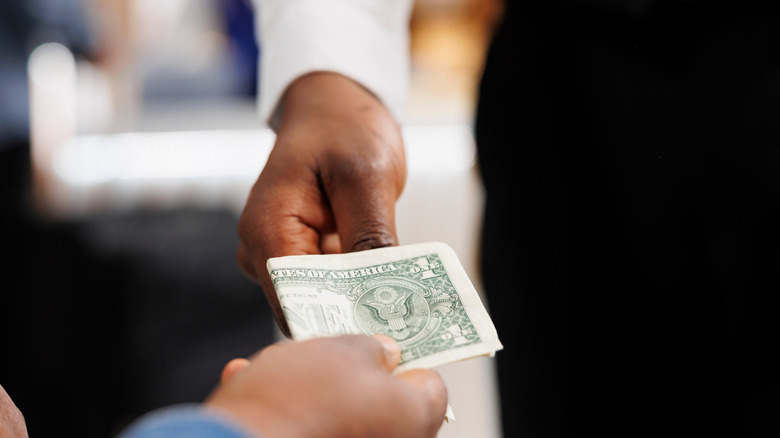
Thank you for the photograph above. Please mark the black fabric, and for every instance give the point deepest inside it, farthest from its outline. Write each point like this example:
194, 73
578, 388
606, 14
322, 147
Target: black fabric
108, 318
631, 159
105, 318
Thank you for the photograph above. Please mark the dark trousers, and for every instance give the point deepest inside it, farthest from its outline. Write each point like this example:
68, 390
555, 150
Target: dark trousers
630, 249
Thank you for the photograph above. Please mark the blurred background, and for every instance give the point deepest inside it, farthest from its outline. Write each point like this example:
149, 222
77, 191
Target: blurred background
128, 142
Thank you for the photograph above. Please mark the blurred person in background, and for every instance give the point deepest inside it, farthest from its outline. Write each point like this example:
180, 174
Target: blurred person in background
629, 152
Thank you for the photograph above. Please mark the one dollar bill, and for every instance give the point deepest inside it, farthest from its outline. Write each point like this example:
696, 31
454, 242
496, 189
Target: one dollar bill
417, 294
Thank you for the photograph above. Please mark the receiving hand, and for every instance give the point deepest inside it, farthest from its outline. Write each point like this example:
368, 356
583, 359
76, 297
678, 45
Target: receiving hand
340, 387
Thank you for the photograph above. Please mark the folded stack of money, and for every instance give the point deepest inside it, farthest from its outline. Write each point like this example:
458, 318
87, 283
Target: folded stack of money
417, 294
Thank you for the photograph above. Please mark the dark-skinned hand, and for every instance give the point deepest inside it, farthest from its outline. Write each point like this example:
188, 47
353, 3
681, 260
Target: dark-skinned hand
330, 183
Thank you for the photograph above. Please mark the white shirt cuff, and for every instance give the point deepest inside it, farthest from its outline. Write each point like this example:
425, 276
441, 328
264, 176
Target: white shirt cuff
365, 40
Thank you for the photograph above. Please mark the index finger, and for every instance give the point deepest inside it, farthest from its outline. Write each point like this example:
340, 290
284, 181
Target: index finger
284, 215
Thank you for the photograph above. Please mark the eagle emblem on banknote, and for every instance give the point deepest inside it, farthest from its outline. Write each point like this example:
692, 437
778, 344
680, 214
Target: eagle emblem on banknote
398, 307
391, 306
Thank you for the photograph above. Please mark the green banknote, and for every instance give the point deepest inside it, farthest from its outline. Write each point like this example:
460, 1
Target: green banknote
417, 294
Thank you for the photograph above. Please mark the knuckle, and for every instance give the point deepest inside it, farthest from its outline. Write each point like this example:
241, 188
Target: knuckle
247, 224
245, 263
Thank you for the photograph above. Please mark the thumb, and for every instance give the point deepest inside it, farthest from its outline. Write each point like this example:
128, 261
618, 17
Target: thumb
432, 393
363, 204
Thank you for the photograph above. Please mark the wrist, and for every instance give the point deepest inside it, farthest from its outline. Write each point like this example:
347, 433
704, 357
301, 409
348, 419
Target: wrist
330, 95
263, 422
189, 420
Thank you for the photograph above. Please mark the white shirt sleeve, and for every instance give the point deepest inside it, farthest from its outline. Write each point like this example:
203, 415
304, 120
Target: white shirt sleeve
365, 40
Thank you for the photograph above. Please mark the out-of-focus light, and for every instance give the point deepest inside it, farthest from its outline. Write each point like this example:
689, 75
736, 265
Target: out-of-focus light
51, 65
51, 70
213, 168
98, 159
439, 148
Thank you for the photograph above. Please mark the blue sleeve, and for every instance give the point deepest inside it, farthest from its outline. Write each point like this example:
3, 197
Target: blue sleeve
185, 421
